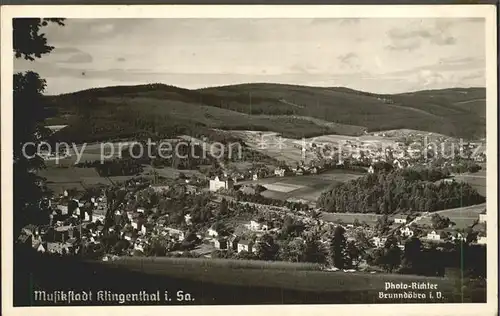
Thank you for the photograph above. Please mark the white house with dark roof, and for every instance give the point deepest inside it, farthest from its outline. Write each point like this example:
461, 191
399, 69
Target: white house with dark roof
406, 231
433, 235
379, 241
246, 245
482, 217
400, 219
217, 183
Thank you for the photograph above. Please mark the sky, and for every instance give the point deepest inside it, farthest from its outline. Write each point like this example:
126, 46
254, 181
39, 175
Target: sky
379, 55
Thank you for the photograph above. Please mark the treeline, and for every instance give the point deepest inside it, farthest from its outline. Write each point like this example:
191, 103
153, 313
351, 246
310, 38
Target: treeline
398, 191
337, 251
430, 261
463, 167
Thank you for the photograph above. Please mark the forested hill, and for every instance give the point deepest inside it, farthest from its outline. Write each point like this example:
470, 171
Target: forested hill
294, 111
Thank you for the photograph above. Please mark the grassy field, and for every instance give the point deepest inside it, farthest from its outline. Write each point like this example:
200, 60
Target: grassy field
63, 178
349, 218
218, 281
476, 180
307, 187
273, 274
462, 217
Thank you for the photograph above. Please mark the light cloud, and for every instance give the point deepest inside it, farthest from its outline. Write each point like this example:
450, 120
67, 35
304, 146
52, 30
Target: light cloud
381, 55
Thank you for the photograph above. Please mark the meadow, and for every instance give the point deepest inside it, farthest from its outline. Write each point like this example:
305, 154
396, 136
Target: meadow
349, 218
462, 217
306, 276
221, 282
476, 180
307, 187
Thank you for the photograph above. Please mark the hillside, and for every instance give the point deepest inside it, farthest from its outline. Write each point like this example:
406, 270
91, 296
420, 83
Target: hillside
294, 111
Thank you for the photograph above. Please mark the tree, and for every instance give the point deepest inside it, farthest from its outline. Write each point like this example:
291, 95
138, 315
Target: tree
439, 222
314, 250
223, 209
292, 250
354, 254
267, 249
383, 224
338, 246
412, 255
28, 43
392, 254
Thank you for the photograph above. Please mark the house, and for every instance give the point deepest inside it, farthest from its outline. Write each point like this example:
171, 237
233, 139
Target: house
255, 177
30, 229
212, 232
139, 244
400, 219
216, 184
137, 223
457, 236
220, 243
60, 248
407, 232
192, 189
145, 229
433, 236
279, 172
314, 170
128, 236
371, 170
248, 190
299, 171
397, 164
482, 217
379, 241
187, 219
101, 217
62, 208
179, 234
39, 246
160, 188
256, 226
63, 233
481, 240
246, 245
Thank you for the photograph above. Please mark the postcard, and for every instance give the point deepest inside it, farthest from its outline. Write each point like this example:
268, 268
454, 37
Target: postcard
310, 159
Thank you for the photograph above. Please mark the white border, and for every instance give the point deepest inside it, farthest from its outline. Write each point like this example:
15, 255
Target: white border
255, 11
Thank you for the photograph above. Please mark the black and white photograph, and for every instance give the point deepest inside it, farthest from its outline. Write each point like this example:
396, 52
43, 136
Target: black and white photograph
330, 158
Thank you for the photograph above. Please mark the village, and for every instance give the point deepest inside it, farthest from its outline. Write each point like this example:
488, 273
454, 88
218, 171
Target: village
236, 223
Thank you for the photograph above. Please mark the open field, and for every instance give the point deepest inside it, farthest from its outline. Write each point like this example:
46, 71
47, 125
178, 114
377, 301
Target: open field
476, 180
462, 217
307, 187
219, 281
306, 276
63, 178
282, 187
90, 152
349, 218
